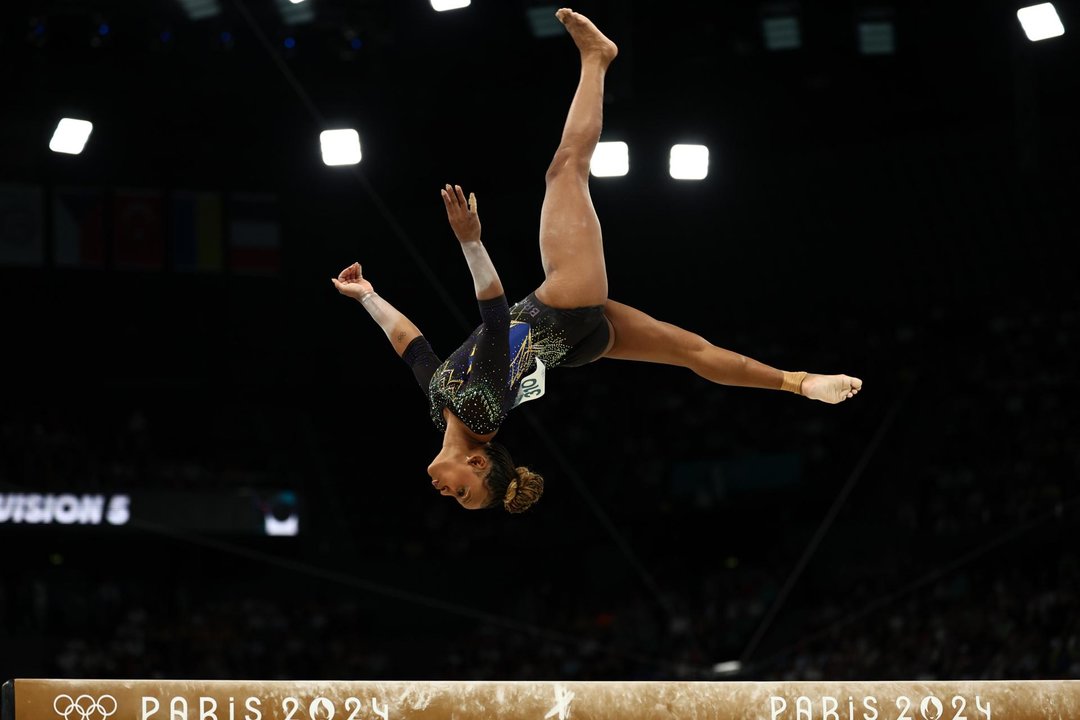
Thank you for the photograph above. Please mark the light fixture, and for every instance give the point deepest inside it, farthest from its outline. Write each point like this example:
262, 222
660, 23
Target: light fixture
876, 38
340, 147
444, 5
295, 13
70, 136
543, 22
610, 159
782, 32
1040, 22
689, 162
201, 9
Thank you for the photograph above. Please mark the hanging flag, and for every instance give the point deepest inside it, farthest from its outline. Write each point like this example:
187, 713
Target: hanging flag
20, 225
197, 232
79, 227
138, 230
254, 235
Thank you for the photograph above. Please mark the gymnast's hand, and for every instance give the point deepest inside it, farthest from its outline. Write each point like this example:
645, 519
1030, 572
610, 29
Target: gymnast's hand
462, 215
351, 283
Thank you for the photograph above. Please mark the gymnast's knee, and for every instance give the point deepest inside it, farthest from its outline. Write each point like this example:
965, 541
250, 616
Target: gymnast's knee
569, 159
695, 352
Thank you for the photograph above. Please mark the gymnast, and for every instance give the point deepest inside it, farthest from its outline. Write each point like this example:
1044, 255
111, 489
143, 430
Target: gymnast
567, 322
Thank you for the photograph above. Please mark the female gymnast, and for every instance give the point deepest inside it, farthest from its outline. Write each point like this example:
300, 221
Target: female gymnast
568, 321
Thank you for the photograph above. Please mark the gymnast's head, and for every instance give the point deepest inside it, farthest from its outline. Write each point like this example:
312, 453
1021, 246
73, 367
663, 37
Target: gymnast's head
486, 479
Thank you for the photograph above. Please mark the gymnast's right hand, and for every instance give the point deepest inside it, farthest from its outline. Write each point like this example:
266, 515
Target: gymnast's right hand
351, 283
462, 214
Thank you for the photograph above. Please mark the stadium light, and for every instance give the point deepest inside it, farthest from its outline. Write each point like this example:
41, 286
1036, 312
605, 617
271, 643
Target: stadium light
543, 22
444, 5
70, 136
340, 147
610, 159
877, 38
689, 162
201, 9
782, 32
295, 13
1040, 22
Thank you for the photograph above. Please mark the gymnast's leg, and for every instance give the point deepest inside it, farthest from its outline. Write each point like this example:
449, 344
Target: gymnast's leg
638, 336
571, 247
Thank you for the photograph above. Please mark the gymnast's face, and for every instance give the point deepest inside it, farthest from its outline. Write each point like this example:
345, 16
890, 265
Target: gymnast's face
462, 479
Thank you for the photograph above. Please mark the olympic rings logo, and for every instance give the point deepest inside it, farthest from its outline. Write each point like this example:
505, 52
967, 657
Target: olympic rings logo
85, 707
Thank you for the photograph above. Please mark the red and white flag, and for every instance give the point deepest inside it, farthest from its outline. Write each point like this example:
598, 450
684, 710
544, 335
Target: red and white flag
254, 235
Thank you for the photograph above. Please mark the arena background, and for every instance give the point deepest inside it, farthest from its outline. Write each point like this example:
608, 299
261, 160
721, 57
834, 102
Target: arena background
908, 217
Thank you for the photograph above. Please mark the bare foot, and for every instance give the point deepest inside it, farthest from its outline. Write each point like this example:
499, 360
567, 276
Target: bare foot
830, 388
590, 41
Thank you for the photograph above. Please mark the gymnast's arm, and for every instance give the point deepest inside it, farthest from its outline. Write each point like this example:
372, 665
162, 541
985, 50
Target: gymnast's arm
466, 224
399, 330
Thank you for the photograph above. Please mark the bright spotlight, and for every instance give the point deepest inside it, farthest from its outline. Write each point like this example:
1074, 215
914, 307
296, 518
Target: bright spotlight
1040, 22
340, 147
610, 159
296, 2
444, 5
70, 136
689, 162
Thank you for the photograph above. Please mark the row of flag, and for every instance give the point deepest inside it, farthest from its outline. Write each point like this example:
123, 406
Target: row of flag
139, 230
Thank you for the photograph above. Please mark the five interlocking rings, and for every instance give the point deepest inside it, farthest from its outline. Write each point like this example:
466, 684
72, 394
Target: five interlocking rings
85, 706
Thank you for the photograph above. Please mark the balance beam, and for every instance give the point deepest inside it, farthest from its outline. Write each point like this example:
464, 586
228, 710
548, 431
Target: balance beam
331, 700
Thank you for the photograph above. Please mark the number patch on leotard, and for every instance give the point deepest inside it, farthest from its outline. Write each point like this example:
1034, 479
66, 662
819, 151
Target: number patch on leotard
532, 385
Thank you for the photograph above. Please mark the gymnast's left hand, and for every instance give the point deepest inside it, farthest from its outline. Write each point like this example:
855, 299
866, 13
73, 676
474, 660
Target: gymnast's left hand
462, 215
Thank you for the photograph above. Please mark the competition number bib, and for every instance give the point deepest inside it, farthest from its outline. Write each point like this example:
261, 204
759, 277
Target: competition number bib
532, 385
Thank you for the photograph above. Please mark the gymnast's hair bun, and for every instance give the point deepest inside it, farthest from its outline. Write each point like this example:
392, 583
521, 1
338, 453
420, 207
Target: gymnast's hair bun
523, 491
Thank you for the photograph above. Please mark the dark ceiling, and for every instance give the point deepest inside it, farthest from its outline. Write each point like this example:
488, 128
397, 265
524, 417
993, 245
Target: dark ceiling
473, 87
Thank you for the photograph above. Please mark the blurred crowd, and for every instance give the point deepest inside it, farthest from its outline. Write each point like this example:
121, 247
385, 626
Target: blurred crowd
954, 555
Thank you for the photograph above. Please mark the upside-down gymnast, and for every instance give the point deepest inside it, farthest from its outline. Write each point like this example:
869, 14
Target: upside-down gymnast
568, 321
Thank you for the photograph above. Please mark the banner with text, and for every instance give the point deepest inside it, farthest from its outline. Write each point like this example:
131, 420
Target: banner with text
537, 700
239, 512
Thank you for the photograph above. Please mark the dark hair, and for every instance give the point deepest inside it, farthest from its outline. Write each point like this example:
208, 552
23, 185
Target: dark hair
515, 488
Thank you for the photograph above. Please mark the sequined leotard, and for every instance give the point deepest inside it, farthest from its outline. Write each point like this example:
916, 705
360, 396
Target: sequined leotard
479, 380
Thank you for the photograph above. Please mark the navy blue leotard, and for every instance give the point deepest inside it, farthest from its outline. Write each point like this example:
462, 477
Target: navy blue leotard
478, 382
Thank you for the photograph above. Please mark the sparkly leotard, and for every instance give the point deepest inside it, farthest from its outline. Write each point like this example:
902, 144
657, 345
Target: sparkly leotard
479, 380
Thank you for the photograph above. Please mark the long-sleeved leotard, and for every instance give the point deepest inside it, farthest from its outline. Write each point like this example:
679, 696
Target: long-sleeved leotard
474, 382
479, 381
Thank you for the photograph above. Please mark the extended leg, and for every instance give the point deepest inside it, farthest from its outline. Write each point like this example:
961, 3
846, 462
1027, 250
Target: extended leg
641, 337
571, 246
